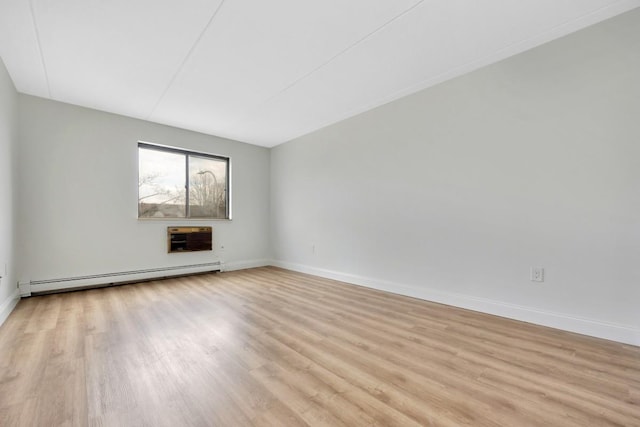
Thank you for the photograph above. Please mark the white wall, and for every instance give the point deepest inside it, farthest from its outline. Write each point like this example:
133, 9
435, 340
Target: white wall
78, 195
453, 193
8, 140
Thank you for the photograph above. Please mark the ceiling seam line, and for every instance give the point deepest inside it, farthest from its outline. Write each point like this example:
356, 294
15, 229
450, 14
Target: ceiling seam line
185, 59
348, 48
35, 29
463, 69
334, 57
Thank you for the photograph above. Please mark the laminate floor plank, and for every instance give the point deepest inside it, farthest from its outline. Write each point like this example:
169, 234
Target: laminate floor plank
270, 347
357, 340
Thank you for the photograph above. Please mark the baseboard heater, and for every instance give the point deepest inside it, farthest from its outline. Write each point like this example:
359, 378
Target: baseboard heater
35, 287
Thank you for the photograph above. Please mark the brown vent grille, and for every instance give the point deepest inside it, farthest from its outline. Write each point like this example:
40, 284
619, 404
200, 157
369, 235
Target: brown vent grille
189, 239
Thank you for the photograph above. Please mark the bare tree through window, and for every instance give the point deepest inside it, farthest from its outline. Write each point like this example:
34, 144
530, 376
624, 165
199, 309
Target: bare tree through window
174, 183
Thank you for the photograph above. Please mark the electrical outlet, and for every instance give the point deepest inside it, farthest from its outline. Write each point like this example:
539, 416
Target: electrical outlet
537, 274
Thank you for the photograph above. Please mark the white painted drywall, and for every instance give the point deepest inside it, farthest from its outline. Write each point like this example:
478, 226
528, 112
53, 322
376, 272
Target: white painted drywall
8, 141
78, 195
453, 193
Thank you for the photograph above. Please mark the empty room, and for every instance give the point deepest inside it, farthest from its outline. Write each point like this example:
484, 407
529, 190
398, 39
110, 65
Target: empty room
336, 213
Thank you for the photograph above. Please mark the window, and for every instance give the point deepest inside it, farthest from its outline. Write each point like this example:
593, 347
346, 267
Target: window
174, 183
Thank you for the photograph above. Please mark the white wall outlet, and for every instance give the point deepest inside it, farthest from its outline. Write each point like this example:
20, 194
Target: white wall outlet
537, 274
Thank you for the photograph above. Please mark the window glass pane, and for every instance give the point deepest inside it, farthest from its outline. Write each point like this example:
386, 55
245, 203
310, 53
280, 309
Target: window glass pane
161, 184
207, 187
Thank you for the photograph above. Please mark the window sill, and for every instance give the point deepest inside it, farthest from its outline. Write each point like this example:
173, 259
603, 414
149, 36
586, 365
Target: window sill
183, 219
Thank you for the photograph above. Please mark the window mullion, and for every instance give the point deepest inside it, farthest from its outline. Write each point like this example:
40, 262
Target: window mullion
186, 186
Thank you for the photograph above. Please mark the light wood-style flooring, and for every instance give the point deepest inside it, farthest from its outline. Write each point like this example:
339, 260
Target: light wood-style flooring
272, 347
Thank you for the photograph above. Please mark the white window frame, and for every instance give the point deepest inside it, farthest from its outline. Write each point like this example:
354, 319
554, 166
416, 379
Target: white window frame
186, 153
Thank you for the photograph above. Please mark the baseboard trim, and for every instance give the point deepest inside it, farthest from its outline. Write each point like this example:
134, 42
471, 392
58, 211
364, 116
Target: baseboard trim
105, 279
595, 328
8, 305
242, 265
97, 280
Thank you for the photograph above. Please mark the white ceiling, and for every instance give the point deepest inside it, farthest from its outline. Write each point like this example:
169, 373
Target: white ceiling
266, 72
